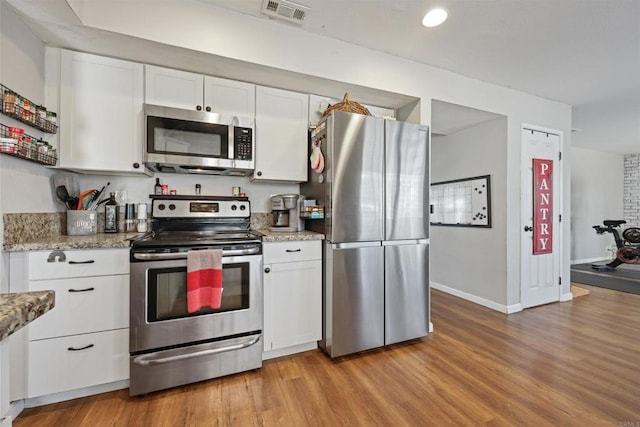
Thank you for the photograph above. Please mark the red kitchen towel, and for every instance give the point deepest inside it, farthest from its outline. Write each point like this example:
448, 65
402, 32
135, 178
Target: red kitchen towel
204, 279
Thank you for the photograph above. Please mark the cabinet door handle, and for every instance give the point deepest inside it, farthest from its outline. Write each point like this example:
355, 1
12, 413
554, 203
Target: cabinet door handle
82, 262
81, 348
136, 165
293, 250
199, 107
259, 173
82, 290
208, 108
267, 270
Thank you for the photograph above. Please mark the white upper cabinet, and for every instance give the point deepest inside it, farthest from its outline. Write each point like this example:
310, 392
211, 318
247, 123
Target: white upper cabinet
173, 88
182, 89
230, 97
101, 119
281, 135
317, 105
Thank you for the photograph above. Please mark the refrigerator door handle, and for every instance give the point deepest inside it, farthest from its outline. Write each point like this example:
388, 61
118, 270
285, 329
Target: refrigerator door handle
355, 245
405, 242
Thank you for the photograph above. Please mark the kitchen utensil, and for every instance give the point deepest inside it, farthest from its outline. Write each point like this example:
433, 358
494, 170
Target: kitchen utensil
84, 198
62, 194
93, 200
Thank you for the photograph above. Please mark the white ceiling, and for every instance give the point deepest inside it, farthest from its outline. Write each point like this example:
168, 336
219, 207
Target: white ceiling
585, 53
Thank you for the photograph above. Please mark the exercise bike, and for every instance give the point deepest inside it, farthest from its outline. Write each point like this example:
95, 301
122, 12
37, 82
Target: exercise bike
628, 244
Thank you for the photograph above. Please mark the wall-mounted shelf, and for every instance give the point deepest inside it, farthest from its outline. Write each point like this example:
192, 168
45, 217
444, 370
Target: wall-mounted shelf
11, 107
26, 147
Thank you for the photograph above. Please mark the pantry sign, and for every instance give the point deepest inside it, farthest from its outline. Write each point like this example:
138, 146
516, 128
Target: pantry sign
542, 206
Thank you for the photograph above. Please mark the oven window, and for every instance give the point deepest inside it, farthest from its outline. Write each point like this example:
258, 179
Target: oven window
167, 292
180, 137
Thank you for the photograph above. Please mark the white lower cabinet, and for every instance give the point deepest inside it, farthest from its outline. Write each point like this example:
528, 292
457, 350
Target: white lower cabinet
83, 341
78, 361
292, 296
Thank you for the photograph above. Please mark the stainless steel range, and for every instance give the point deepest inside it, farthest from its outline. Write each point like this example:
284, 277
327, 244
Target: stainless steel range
168, 345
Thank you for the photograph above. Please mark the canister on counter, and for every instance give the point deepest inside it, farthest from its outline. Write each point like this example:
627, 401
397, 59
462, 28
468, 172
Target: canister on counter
235, 191
165, 189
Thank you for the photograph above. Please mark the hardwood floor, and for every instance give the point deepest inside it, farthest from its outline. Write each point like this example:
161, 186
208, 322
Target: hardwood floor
566, 364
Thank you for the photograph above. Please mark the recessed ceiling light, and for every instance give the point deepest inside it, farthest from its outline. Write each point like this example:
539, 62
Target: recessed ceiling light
434, 17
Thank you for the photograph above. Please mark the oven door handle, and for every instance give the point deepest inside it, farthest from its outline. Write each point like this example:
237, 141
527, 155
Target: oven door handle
149, 359
183, 255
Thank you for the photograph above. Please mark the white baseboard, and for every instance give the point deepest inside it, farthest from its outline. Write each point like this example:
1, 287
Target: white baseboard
507, 309
589, 260
74, 394
566, 297
289, 350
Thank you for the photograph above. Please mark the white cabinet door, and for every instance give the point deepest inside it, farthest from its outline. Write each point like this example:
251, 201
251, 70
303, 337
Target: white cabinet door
281, 135
100, 113
68, 363
173, 88
83, 305
293, 304
231, 97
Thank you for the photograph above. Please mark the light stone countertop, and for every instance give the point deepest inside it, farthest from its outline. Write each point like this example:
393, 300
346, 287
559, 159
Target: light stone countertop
19, 309
123, 240
272, 236
64, 242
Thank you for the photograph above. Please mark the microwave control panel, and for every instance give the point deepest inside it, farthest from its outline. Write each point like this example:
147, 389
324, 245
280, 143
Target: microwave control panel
242, 143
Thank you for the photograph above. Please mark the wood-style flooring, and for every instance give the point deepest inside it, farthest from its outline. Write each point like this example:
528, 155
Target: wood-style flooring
566, 364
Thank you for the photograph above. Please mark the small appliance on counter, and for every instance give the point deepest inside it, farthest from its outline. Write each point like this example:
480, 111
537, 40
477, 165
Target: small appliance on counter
286, 210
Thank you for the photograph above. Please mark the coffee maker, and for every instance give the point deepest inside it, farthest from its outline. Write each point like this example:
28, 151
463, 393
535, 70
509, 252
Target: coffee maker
286, 210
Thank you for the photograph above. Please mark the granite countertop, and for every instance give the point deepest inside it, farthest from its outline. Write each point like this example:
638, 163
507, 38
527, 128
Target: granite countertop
123, 240
19, 309
271, 236
64, 242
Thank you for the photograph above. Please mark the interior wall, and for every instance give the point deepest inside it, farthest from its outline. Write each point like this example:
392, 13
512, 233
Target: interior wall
596, 194
473, 260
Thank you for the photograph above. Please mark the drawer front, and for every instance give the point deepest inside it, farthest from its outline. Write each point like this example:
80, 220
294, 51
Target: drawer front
83, 305
63, 364
298, 250
44, 265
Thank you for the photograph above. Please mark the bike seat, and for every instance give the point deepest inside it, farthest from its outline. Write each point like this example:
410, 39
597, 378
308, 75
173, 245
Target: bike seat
614, 223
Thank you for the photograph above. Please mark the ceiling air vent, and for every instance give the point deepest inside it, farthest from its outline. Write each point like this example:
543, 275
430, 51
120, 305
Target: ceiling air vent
287, 10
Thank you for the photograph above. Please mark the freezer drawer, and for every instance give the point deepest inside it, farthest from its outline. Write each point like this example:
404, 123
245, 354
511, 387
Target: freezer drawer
353, 317
406, 274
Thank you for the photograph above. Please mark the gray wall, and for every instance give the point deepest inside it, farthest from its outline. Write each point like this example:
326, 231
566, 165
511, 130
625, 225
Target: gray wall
469, 259
596, 195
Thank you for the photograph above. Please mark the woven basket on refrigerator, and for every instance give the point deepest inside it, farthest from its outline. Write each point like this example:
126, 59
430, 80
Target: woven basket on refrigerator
348, 106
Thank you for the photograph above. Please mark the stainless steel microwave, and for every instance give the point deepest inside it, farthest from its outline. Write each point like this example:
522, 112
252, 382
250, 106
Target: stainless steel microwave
198, 142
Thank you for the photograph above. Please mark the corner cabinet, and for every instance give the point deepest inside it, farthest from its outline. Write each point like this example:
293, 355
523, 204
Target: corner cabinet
292, 296
281, 135
191, 91
101, 117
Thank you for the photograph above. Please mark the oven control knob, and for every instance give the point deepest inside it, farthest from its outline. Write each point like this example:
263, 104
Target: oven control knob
172, 207
234, 207
242, 207
161, 206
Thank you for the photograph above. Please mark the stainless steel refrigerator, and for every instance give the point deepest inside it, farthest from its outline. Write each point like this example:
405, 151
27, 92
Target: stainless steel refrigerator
375, 192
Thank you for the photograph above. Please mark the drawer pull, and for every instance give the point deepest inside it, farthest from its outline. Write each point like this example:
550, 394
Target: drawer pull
293, 250
82, 290
82, 262
81, 348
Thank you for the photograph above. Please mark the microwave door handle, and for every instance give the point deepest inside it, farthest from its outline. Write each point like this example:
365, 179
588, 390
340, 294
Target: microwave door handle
183, 255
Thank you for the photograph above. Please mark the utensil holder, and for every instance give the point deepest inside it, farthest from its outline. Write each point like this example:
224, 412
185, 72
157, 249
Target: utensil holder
82, 223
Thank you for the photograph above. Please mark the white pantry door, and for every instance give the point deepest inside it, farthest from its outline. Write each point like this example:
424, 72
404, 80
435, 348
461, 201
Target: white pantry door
540, 241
